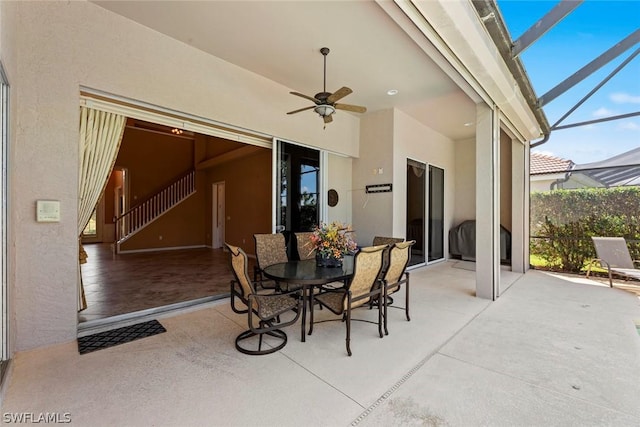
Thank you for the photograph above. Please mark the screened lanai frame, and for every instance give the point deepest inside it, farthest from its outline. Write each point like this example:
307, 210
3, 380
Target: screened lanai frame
4, 196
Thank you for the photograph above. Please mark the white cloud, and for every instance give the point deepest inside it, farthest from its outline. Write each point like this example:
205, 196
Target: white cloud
624, 98
603, 112
629, 126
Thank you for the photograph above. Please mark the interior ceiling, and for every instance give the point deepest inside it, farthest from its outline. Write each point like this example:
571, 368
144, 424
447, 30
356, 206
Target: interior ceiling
281, 41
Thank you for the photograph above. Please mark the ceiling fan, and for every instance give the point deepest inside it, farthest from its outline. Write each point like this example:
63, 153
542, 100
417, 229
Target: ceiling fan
325, 102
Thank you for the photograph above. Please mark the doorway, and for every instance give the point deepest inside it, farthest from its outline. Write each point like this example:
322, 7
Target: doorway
436, 214
416, 185
217, 215
298, 189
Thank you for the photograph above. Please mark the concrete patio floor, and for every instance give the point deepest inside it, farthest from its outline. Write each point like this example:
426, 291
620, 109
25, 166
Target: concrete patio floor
550, 351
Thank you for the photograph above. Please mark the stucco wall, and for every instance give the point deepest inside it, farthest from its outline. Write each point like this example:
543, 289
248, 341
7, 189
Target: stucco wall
339, 179
465, 194
63, 45
373, 213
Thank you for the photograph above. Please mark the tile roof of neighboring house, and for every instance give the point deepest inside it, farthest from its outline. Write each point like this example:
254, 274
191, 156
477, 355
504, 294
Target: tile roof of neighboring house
543, 163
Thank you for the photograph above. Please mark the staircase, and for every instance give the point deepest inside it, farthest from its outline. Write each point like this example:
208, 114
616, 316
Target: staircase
143, 214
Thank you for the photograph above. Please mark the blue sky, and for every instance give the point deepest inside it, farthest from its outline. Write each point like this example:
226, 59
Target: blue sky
590, 30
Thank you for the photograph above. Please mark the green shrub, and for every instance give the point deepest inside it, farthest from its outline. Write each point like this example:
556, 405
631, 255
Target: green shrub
563, 222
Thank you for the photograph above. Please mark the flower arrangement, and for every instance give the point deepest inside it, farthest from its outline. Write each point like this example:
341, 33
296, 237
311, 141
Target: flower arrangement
333, 240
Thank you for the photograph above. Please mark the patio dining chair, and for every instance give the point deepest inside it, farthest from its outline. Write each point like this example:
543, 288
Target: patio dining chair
305, 247
263, 310
613, 255
395, 276
270, 249
390, 241
359, 290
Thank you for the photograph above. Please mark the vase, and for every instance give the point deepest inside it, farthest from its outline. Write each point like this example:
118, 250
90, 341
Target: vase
327, 261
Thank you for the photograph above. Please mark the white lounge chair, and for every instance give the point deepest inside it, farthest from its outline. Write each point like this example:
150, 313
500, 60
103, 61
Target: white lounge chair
613, 254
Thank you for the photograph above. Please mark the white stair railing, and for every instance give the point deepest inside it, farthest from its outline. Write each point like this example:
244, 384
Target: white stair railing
143, 214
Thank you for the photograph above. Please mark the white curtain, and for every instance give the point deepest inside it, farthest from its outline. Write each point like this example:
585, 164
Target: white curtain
100, 136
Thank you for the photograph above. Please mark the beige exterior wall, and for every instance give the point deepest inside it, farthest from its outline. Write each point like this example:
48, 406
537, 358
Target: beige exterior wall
64, 45
339, 178
373, 213
465, 192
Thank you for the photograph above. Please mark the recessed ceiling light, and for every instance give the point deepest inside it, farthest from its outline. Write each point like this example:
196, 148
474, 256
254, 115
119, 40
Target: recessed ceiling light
392, 92
468, 124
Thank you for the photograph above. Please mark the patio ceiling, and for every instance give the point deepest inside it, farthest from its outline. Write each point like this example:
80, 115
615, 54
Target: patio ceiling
281, 41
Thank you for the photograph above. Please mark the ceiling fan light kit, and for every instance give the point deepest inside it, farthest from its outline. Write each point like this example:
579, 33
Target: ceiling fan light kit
325, 102
324, 110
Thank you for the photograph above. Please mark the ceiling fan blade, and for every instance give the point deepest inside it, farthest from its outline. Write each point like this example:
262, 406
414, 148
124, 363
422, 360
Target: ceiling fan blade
301, 109
348, 107
328, 119
302, 95
339, 94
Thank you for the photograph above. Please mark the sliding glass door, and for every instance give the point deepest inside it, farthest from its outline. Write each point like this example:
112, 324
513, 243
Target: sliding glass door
436, 214
297, 185
416, 182
425, 206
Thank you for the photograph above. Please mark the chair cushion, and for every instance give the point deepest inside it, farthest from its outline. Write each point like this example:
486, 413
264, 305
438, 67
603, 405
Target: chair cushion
332, 300
269, 306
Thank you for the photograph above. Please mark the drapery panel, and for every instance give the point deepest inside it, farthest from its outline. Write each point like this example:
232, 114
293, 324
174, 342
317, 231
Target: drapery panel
100, 137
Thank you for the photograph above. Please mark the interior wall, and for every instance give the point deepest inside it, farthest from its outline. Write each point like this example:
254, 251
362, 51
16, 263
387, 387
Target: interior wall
248, 201
373, 212
412, 139
64, 45
153, 161
465, 194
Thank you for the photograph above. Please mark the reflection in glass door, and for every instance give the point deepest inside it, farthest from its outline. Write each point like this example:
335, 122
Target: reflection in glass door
298, 189
436, 213
416, 179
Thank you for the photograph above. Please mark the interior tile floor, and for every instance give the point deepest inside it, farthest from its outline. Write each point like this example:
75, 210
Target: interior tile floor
127, 283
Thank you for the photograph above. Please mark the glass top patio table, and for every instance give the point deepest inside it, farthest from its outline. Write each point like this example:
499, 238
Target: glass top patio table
308, 275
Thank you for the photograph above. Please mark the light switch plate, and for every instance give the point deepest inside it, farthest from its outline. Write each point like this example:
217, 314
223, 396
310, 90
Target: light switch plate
48, 211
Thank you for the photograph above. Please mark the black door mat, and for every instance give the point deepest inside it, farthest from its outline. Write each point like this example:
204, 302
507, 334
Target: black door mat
119, 336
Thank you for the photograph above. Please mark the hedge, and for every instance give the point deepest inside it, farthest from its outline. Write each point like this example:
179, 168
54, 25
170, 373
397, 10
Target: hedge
563, 221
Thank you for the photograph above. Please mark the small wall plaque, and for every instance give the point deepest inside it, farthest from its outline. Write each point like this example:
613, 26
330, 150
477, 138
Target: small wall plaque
332, 197
379, 188
48, 211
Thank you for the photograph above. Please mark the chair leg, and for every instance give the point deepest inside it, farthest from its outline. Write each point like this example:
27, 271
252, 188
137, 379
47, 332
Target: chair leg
311, 304
349, 331
276, 333
610, 279
380, 308
406, 303
386, 311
